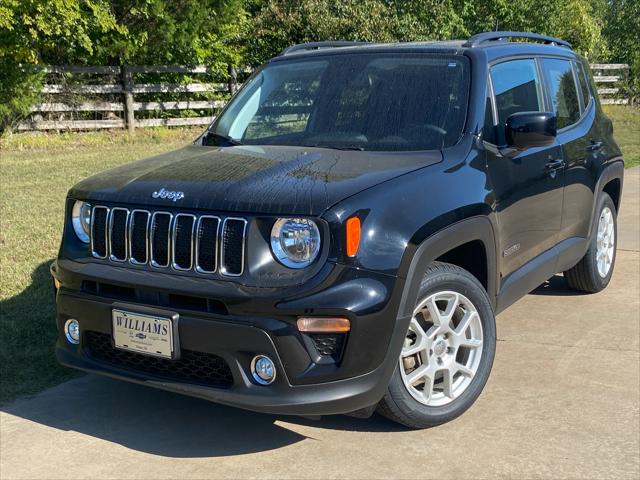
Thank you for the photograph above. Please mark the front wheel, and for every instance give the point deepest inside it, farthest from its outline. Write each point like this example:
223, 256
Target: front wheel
447, 353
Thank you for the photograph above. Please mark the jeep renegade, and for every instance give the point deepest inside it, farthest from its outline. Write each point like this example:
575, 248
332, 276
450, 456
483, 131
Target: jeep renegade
342, 236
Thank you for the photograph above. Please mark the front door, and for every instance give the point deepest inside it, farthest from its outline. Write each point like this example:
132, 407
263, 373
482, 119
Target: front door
528, 187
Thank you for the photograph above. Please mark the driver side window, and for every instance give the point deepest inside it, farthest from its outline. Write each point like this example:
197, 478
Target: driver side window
516, 88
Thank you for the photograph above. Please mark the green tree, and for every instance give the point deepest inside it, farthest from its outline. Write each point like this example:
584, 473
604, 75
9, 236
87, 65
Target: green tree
277, 24
109, 32
622, 33
36, 31
573, 20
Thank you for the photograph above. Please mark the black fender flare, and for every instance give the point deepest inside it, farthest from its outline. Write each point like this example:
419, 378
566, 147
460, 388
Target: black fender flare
467, 230
610, 171
459, 233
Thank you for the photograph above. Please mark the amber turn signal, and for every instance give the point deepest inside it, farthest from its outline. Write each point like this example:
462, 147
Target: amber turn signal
323, 325
353, 236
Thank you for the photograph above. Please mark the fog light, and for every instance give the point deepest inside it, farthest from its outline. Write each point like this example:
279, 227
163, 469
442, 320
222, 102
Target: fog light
72, 331
263, 370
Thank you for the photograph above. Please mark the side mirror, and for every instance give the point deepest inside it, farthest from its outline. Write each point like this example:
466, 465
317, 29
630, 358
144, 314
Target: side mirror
530, 129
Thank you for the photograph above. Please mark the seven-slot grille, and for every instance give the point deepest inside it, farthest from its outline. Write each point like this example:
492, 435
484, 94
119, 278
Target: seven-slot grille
181, 241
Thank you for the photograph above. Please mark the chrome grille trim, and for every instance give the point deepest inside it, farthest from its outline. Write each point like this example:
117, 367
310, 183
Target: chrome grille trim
112, 257
130, 237
106, 232
153, 222
171, 244
174, 234
199, 269
223, 269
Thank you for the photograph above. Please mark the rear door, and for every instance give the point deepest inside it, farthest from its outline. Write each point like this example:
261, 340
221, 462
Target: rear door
570, 99
528, 187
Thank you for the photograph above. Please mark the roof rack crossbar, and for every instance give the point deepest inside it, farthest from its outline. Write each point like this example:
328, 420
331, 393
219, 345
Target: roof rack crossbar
318, 45
481, 38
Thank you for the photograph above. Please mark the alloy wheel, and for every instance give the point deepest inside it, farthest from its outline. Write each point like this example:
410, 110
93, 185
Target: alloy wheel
443, 348
605, 242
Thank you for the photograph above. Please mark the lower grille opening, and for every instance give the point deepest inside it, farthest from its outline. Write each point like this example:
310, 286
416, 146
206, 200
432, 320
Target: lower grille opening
116, 291
89, 286
329, 344
185, 302
192, 367
200, 304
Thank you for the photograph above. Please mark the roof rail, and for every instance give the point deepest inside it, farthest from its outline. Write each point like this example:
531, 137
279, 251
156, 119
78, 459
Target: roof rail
318, 45
481, 38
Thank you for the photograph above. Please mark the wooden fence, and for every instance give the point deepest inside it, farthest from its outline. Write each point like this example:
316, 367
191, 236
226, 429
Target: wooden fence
113, 99
609, 75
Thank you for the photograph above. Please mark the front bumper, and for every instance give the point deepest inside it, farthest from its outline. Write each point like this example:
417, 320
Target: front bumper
250, 325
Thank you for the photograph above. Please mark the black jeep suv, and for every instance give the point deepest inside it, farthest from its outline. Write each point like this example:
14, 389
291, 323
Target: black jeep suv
343, 234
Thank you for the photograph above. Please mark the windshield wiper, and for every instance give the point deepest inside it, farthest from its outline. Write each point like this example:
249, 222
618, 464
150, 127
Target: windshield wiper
336, 147
213, 139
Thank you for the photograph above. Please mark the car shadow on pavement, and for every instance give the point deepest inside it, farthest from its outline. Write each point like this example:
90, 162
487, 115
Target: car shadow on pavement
557, 287
28, 335
163, 423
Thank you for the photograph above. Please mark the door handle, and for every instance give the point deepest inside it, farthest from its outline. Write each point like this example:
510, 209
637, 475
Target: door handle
594, 146
554, 165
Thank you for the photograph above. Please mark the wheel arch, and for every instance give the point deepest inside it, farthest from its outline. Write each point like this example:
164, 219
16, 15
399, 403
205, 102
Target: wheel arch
610, 181
436, 246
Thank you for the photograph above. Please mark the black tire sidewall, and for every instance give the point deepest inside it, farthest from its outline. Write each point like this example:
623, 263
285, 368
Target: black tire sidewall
460, 281
601, 283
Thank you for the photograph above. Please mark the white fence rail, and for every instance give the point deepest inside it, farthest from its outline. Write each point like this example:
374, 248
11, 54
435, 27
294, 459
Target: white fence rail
119, 108
602, 74
112, 103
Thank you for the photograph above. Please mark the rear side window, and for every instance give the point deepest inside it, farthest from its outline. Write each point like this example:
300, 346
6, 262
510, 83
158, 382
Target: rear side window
584, 85
516, 88
562, 90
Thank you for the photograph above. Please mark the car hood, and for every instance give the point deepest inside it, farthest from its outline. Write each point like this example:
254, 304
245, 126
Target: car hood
251, 179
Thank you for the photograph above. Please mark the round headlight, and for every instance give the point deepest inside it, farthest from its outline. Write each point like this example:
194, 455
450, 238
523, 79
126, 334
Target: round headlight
81, 220
295, 242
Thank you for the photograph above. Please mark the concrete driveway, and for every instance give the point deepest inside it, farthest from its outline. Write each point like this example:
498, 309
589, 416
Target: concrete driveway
562, 402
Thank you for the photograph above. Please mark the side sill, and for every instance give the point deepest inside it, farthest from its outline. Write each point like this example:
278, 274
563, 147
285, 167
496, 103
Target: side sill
533, 273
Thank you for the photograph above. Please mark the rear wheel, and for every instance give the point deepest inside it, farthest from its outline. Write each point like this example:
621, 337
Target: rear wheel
448, 350
594, 270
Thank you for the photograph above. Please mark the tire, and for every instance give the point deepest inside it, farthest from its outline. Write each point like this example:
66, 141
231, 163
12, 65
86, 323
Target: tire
589, 275
416, 406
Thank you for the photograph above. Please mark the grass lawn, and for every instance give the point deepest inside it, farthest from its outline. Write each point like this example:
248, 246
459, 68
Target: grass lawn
626, 131
36, 172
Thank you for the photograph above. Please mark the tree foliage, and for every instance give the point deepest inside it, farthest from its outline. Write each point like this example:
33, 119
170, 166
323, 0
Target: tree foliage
221, 33
622, 31
109, 32
278, 23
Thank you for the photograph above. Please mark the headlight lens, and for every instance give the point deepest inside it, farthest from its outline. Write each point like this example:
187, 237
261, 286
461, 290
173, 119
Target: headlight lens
295, 242
81, 220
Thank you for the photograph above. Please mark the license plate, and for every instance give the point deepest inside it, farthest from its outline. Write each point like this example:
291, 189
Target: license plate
140, 333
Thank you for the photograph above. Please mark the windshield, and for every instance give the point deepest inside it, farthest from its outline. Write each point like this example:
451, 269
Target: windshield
361, 102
